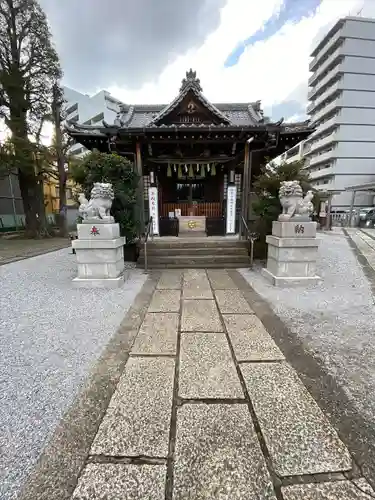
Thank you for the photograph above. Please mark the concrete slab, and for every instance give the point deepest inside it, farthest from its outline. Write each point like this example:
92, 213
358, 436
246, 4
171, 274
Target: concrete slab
207, 369
196, 285
338, 490
299, 438
232, 302
194, 277
250, 339
138, 416
197, 293
218, 456
157, 335
121, 481
165, 301
200, 316
170, 280
220, 280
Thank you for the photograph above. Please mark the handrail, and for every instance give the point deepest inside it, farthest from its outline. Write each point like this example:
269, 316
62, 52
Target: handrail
245, 224
250, 237
149, 230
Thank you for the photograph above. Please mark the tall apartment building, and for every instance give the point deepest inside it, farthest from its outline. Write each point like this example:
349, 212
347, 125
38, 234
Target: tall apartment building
89, 110
342, 108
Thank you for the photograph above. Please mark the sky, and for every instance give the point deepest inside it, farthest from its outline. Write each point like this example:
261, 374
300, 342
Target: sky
242, 50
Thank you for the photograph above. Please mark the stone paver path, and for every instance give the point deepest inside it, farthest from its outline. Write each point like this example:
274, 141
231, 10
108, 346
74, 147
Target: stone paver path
208, 408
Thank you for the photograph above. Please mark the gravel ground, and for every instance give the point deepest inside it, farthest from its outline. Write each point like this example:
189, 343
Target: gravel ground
50, 336
335, 319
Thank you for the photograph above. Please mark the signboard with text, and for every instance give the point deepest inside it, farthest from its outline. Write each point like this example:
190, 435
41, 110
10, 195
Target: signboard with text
154, 208
231, 209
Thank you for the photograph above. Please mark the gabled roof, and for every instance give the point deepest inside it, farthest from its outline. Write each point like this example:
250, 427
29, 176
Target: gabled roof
150, 115
190, 84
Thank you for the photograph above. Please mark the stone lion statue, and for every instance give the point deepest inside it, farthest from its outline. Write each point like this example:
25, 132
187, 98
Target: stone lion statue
100, 203
293, 204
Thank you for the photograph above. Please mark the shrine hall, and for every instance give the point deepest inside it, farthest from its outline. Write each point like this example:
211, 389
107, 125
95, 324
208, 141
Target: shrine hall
196, 160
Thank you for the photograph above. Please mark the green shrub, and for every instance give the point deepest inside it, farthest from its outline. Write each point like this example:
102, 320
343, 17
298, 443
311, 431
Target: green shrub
105, 167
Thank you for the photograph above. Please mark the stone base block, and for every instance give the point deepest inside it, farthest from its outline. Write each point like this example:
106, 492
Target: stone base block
96, 244
99, 282
98, 231
291, 268
290, 281
294, 229
90, 270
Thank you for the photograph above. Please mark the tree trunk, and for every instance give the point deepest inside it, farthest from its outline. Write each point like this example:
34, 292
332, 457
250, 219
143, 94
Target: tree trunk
60, 158
30, 196
31, 193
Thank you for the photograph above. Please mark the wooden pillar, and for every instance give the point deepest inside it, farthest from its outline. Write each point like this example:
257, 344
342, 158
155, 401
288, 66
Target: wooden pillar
140, 194
245, 187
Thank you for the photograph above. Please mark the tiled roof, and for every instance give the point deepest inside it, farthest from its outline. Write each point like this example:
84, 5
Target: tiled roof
231, 115
236, 114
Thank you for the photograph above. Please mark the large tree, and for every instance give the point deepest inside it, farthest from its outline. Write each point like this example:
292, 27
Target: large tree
29, 70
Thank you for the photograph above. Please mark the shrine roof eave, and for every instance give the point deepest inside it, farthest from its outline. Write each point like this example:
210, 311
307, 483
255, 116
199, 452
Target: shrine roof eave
303, 130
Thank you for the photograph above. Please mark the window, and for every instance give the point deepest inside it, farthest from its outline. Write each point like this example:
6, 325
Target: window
98, 118
69, 194
72, 108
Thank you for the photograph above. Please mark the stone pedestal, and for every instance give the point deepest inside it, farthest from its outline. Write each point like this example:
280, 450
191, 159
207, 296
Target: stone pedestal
100, 255
292, 254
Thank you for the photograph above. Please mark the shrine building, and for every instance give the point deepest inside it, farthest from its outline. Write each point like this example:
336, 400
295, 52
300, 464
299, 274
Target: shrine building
196, 160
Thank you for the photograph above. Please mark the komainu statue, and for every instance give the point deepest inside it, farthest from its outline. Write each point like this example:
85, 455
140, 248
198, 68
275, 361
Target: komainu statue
99, 206
294, 206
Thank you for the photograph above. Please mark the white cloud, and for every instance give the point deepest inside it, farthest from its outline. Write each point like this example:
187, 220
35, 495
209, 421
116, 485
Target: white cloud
269, 71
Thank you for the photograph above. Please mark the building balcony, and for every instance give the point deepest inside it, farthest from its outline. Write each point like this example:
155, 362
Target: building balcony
313, 66
323, 84
322, 143
323, 127
321, 158
324, 67
328, 109
322, 97
318, 174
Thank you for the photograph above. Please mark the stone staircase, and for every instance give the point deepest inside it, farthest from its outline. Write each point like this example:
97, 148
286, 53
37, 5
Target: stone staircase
190, 252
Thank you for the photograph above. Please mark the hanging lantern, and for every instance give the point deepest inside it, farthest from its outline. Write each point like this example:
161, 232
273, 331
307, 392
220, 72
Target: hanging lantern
169, 171
208, 167
198, 166
191, 172
203, 173
186, 169
179, 172
213, 171
174, 168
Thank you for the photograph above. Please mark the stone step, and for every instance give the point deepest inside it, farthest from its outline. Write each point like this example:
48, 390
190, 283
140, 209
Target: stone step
202, 243
154, 251
195, 260
196, 265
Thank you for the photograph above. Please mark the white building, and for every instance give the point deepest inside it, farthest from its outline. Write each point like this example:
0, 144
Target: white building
89, 110
342, 108
296, 153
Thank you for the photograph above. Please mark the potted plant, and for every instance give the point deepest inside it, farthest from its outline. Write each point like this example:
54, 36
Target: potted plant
119, 171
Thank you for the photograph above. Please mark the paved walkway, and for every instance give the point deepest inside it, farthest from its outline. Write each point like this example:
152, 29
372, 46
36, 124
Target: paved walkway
208, 408
364, 239
14, 249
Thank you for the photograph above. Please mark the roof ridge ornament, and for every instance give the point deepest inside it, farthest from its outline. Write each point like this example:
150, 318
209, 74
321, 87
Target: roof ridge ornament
191, 80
